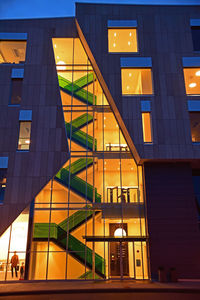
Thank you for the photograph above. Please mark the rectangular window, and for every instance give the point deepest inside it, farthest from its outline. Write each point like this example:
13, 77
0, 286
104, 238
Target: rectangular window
3, 175
136, 81
192, 80
196, 37
16, 90
146, 126
12, 51
122, 40
24, 136
195, 126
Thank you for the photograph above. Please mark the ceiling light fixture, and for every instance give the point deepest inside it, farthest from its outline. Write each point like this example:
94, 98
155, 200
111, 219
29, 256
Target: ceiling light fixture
130, 74
115, 34
192, 85
114, 45
127, 87
129, 43
55, 46
197, 73
130, 34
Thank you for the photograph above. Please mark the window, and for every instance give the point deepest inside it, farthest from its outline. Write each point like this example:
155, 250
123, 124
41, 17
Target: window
12, 51
195, 126
2, 184
122, 40
196, 37
146, 126
16, 90
136, 81
24, 135
192, 80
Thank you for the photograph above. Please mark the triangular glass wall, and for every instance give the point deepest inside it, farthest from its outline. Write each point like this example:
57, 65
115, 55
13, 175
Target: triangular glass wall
89, 221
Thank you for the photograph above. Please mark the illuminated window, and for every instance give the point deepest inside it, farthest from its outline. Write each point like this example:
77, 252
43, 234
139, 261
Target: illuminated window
3, 176
196, 38
24, 136
136, 81
146, 126
122, 40
195, 126
16, 90
12, 52
192, 81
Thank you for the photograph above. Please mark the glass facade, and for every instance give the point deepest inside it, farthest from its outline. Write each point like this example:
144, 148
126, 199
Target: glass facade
89, 221
195, 126
146, 126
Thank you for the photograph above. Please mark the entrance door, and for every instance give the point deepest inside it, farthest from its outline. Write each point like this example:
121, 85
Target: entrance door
119, 265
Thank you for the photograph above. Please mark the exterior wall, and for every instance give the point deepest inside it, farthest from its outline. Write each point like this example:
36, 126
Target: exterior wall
172, 219
164, 34
29, 172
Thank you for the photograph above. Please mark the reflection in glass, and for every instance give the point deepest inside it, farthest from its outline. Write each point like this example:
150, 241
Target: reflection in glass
24, 136
195, 126
12, 52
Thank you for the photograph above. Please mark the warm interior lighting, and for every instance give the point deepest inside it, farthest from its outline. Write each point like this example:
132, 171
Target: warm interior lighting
119, 232
60, 66
192, 85
12, 51
122, 40
55, 46
136, 81
197, 73
146, 126
27, 141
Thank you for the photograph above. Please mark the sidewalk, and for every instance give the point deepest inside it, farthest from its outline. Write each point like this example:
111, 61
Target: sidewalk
89, 287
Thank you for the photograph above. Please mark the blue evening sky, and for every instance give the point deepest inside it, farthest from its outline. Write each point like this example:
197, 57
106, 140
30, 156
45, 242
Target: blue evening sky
19, 9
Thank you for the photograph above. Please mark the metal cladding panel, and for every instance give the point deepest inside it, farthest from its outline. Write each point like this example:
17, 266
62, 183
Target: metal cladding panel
29, 171
13, 36
164, 39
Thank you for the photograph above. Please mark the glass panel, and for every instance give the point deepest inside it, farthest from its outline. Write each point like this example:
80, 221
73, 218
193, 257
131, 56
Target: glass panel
24, 136
122, 40
38, 265
63, 57
192, 80
56, 265
146, 126
4, 244
12, 52
195, 126
16, 91
196, 38
136, 81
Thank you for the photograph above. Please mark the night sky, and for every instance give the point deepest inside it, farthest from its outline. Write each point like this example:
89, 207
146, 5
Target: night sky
18, 9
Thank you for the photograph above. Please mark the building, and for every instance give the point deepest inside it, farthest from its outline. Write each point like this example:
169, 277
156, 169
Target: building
100, 143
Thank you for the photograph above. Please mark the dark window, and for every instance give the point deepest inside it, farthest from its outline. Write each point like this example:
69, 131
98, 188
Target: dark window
2, 184
195, 126
16, 94
196, 38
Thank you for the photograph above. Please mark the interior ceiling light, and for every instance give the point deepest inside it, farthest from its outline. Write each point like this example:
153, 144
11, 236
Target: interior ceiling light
27, 141
55, 46
129, 43
115, 34
130, 74
192, 85
114, 45
127, 87
61, 67
58, 57
130, 34
197, 73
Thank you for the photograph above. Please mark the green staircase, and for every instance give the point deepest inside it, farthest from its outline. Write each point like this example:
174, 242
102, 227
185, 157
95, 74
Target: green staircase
82, 121
80, 137
78, 185
77, 88
79, 165
54, 232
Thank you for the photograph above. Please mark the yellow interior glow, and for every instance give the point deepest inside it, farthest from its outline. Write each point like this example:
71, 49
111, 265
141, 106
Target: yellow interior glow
192, 81
146, 126
136, 81
122, 40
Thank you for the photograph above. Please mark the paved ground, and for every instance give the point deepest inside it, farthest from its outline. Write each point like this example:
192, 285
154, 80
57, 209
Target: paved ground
116, 290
